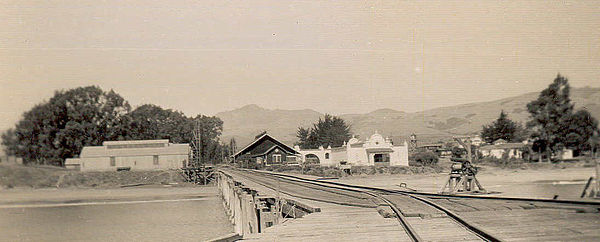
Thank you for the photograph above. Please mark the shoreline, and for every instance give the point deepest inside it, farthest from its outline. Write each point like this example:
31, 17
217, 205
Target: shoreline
567, 182
72, 195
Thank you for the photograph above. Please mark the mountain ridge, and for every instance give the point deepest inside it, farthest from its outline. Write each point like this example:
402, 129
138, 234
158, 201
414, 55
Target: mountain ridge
430, 125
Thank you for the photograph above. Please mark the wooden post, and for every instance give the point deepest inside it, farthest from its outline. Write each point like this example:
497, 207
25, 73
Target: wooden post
597, 186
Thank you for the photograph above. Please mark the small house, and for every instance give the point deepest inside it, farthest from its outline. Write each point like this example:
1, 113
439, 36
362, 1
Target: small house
266, 150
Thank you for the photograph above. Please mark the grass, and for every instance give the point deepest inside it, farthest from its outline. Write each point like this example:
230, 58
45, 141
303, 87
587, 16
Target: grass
44, 177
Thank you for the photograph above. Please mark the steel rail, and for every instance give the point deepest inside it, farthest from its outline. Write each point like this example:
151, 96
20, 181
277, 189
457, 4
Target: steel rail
403, 221
541, 200
310, 198
472, 228
410, 231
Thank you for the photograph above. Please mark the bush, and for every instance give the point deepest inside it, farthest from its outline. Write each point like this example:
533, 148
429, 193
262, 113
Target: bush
505, 162
426, 158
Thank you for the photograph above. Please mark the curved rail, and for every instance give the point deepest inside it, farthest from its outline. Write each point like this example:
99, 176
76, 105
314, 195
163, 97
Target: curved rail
481, 233
311, 198
410, 231
540, 200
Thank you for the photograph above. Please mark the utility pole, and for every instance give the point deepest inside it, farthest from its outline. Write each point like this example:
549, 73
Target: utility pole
197, 145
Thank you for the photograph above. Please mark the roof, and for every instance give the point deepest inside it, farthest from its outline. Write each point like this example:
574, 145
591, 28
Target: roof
270, 149
122, 142
371, 150
263, 137
503, 146
498, 141
343, 148
104, 151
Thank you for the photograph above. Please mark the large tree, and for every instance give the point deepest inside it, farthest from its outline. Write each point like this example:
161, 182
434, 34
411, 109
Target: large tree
59, 128
210, 130
579, 131
503, 128
232, 146
553, 122
153, 122
328, 131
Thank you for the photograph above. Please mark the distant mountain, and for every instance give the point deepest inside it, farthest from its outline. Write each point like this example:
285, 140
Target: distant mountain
430, 125
246, 122
468, 118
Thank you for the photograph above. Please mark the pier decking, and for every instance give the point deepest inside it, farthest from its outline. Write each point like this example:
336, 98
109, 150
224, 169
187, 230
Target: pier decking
348, 215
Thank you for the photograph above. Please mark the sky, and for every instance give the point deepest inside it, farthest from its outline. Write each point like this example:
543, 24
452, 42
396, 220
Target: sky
331, 56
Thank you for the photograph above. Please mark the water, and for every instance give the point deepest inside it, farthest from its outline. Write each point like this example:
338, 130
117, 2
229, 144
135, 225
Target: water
195, 220
568, 190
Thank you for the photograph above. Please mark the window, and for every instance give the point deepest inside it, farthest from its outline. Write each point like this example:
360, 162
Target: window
113, 161
291, 158
156, 160
381, 158
277, 158
326, 155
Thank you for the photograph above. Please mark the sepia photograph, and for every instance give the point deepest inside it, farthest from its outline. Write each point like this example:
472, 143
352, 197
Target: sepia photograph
308, 120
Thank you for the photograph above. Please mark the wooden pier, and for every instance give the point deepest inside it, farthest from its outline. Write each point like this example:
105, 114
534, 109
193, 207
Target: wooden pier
199, 175
343, 213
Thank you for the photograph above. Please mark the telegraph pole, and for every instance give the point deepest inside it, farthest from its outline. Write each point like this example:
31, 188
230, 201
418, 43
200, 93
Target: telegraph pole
197, 143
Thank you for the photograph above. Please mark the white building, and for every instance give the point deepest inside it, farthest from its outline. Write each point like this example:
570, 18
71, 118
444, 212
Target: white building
501, 148
374, 151
476, 140
131, 155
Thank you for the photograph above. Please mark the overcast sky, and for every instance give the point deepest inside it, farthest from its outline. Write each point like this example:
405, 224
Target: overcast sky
337, 56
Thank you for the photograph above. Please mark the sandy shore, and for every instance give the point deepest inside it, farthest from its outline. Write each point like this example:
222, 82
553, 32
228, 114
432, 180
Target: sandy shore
568, 183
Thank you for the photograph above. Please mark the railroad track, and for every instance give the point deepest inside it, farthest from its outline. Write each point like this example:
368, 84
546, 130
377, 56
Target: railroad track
339, 192
535, 218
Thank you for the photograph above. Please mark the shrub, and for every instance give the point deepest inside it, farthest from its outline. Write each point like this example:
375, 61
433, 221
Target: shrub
505, 162
426, 158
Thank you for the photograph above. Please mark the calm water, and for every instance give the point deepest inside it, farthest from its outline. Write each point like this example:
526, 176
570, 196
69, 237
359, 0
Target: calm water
156, 221
570, 190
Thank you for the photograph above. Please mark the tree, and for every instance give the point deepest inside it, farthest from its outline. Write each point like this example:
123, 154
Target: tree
304, 137
503, 128
328, 131
153, 122
232, 146
210, 130
553, 122
579, 130
59, 128
550, 112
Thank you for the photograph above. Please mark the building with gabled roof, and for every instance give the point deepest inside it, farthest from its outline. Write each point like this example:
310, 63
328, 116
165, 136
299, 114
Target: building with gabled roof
266, 150
131, 155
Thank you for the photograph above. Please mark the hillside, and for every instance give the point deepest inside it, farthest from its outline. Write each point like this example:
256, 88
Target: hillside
430, 125
246, 122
